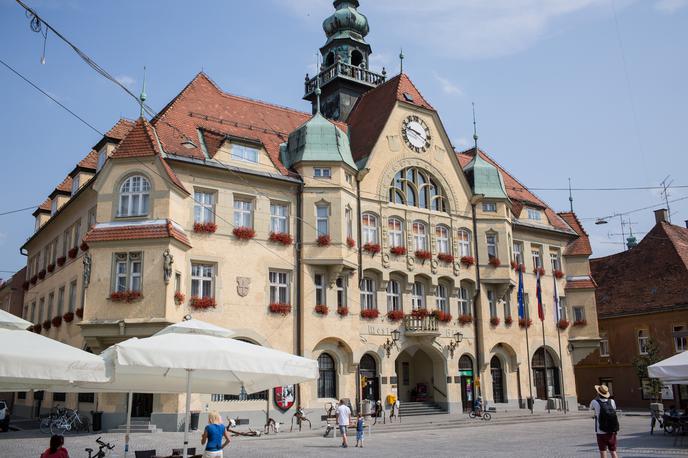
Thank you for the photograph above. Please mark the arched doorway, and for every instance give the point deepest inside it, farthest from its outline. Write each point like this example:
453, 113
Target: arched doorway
545, 374
421, 375
327, 380
498, 388
466, 374
370, 383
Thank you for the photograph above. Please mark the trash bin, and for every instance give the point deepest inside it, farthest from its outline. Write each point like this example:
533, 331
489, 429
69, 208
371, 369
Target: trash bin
193, 424
531, 403
97, 421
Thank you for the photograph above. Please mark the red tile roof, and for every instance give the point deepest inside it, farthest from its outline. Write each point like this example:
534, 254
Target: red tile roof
581, 245
651, 277
90, 161
120, 129
588, 283
371, 112
105, 233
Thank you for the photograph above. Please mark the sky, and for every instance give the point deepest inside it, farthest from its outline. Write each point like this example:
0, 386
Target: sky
592, 90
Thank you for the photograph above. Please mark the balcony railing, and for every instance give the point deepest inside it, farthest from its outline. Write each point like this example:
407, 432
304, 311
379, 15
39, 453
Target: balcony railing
421, 326
351, 72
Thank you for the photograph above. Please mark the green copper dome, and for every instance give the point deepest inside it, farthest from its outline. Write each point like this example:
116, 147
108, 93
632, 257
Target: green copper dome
318, 140
485, 179
346, 19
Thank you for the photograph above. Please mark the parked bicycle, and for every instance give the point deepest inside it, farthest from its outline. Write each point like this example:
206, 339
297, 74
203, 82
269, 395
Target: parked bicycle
104, 449
63, 420
56, 412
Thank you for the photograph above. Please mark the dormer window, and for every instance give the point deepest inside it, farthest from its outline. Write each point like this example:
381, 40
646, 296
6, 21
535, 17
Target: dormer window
490, 207
534, 214
53, 206
102, 156
244, 153
134, 196
75, 184
322, 172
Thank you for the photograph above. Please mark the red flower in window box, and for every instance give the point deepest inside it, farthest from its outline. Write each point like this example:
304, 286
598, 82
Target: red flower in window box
372, 248
34, 279
442, 316
420, 313
72, 252
398, 250
244, 233
343, 311
279, 308
179, 298
514, 265
25, 286
281, 237
205, 228
465, 319
494, 261
395, 315
467, 261
508, 321
79, 312
83, 246
445, 257
324, 240
68, 317
423, 255
580, 322
47, 324
350, 242
37, 328
41, 274
518, 267
370, 314
56, 321
51, 268
322, 309
525, 323
558, 273
494, 321
125, 296
202, 302
540, 270
563, 324
61, 261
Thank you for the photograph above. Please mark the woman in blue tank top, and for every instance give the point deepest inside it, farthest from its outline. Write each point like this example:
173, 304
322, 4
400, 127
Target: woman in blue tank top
213, 435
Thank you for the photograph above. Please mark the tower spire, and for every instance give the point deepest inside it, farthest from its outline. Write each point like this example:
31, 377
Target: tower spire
475, 130
570, 196
318, 91
143, 96
401, 60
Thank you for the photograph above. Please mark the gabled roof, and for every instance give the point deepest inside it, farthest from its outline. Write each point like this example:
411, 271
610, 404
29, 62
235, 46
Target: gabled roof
651, 277
120, 129
318, 140
581, 245
370, 114
90, 161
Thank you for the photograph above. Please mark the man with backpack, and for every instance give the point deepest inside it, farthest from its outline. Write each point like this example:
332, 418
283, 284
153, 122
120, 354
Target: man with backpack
606, 421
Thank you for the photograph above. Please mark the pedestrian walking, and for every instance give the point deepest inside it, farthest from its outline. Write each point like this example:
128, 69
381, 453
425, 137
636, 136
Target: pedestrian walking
213, 435
606, 421
56, 449
359, 431
343, 421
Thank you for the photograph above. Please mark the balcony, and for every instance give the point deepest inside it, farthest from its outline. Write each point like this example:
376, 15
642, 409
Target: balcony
427, 326
344, 70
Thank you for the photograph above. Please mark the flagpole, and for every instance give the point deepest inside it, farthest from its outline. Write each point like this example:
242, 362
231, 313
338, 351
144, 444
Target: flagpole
530, 375
561, 370
544, 356
522, 315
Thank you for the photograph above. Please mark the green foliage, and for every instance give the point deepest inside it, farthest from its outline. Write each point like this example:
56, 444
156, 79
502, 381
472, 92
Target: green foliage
641, 364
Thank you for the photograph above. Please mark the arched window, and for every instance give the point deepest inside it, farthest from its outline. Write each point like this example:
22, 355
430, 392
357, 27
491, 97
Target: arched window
464, 242
464, 302
442, 239
134, 196
395, 232
417, 188
442, 299
327, 381
356, 58
420, 236
369, 228
393, 296
368, 294
418, 296
329, 60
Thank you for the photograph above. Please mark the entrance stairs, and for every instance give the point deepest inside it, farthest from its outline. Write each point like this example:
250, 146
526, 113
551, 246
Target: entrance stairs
416, 409
138, 425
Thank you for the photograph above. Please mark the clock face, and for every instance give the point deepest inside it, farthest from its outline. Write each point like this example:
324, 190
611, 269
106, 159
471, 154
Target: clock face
416, 134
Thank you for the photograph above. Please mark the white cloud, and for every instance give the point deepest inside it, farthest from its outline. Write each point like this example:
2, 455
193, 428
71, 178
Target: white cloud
447, 86
670, 6
126, 80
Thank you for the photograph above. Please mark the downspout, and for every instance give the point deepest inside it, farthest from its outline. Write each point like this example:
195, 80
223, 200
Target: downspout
477, 306
298, 246
359, 235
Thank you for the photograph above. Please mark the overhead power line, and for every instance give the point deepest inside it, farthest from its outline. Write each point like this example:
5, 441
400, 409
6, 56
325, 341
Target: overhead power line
18, 210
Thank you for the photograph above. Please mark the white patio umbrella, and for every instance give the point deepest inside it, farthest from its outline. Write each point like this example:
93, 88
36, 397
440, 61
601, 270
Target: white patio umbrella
9, 321
672, 371
197, 357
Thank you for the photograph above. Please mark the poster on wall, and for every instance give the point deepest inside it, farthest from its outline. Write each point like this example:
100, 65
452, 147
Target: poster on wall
284, 397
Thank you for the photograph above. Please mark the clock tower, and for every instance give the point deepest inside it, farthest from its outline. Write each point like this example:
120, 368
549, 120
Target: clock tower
344, 75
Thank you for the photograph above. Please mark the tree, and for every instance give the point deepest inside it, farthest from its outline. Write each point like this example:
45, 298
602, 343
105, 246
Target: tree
641, 364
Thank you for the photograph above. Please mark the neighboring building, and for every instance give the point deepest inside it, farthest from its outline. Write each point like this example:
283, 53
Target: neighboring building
641, 295
320, 237
12, 301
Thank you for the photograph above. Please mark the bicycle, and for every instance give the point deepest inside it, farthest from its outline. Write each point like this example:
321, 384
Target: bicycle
46, 421
72, 420
104, 449
483, 415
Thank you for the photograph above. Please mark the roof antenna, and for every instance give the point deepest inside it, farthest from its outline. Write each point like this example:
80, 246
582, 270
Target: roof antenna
143, 96
570, 196
401, 60
318, 91
475, 130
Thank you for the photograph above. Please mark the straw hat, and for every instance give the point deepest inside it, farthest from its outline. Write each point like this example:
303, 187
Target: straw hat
602, 390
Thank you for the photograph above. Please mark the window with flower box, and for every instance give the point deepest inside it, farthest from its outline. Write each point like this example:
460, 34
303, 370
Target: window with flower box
393, 296
49, 309
341, 292
418, 296
134, 197
322, 219
442, 240
204, 207
279, 287
420, 236
243, 213
72, 296
279, 218
555, 260
202, 280
492, 301
395, 232
518, 253
464, 242
76, 240
442, 299
491, 240
507, 306
66, 238
561, 308
368, 301
348, 220
369, 222
128, 272
41, 309
464, 302
536, 256
319, 280
578, 314
60, 301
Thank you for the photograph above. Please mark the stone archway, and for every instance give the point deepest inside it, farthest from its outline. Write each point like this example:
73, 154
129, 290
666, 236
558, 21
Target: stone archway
545, 374
370, 380
421, 375
498, 380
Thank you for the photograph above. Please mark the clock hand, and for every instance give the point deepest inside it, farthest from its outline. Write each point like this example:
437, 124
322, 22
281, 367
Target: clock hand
416, 132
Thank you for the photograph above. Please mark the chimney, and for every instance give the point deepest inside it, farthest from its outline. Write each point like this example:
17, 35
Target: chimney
661, 216
687, 224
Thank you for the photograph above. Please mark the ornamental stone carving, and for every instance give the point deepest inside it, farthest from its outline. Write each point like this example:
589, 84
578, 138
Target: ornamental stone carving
168, 260
243, 286
87, 260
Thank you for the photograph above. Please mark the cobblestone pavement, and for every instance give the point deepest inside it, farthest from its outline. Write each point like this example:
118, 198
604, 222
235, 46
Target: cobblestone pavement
560, 437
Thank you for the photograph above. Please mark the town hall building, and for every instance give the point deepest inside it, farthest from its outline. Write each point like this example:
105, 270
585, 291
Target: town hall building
353, 234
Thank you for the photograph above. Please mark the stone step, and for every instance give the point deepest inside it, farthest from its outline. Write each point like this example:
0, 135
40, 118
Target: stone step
136, 427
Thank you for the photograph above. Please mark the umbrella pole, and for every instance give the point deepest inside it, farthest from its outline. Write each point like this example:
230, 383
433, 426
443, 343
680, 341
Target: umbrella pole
188, 411
130, 397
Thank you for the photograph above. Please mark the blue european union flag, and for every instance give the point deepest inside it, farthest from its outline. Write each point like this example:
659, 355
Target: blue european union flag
521, 300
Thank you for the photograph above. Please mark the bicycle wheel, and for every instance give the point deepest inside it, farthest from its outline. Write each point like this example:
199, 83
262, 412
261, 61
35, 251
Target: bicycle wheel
58, 427
487, 416
45, 425
471, 414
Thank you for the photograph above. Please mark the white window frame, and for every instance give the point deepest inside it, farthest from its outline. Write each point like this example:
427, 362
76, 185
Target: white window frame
341, 292
507, 306
536, 256
322, 219
202, 275
604, 345
418, 296
518, 253
92, 217
368, 294
348, 220
60, 300
442, 239
534, 214
680, 343
394, 296
555, 260
72, 295
442, 298
370, 228
128, 272
322, 172
562, 308
492, 301
279, 287
279, 218
320, 291
395, 232
578, 313
491, 242
76, 234
643, 338
464, 242
204, 207
134, 197
53, 206
243, 213
75, 184
420, 236
464, 302
245, 153
490, 207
